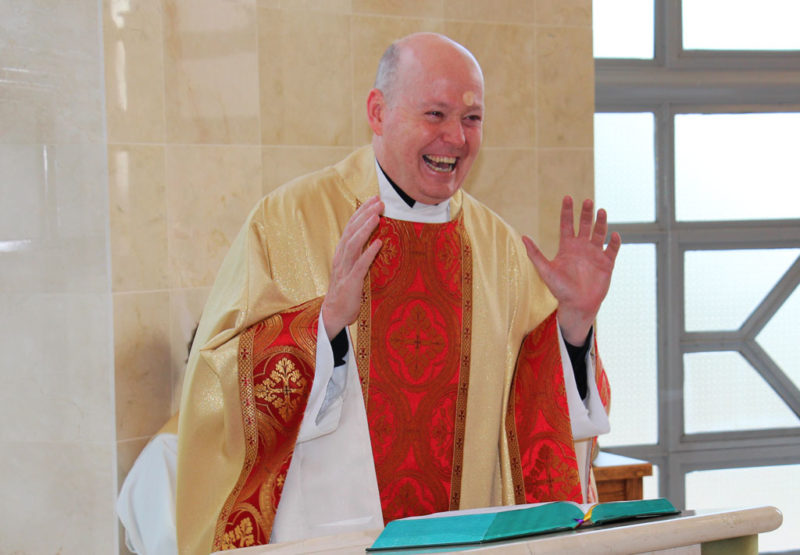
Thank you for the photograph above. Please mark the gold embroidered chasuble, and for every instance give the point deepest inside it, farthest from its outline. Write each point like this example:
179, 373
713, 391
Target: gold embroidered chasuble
281, 259
413, 360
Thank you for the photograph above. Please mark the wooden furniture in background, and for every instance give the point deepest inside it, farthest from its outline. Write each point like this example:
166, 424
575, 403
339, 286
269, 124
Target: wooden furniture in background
619, 478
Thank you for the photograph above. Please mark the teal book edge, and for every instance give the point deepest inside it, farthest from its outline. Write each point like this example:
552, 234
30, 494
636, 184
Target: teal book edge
476, 528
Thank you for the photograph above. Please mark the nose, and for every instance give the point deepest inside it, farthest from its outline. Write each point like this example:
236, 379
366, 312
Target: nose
453, 132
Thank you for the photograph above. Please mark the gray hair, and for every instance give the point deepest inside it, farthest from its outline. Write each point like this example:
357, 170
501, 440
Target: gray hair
386, 76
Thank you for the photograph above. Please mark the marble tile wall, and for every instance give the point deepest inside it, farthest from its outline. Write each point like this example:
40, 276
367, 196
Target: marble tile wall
57, 437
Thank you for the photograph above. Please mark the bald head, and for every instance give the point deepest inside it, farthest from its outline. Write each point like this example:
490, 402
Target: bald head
426, 115
418, 53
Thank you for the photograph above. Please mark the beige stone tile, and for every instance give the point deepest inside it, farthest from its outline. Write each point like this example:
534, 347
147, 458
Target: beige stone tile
284, 163
509, 11
336, 6
561, 172
79, 173
59, 244
306, 78
210, 191
211, 71
564, 12
134, 68
57, 229
370, 38
406, 8
506, 54
142, 363
73, 265
69, 486
186, 307
565, 87
51, 84
505, 180
56, 383
23, 188
138, 216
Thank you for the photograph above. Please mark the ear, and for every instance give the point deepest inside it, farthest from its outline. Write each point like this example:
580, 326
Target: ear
376, 104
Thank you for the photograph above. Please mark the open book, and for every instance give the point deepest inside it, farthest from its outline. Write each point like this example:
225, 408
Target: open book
502, 523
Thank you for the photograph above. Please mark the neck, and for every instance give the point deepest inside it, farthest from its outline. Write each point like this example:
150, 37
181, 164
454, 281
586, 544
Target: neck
403, 195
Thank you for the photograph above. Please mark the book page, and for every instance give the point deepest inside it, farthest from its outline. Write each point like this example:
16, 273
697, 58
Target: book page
500, 508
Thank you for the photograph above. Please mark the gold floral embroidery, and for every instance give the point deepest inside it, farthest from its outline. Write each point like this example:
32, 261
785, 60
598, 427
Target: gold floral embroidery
239, 536
282, 387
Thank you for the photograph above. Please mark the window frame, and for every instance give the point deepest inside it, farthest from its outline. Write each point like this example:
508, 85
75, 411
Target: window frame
678, 81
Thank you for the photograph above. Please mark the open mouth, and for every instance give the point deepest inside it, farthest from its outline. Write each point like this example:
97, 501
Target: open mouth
442, 164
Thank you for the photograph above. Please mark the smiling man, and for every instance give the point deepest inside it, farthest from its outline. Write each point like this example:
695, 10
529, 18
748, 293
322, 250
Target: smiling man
427, 117
378, 344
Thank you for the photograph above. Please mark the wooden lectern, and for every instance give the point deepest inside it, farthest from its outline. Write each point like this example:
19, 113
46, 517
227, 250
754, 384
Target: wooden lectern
619, 478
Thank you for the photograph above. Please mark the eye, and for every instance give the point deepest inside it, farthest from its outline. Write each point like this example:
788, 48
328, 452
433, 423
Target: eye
435, 114
474, 119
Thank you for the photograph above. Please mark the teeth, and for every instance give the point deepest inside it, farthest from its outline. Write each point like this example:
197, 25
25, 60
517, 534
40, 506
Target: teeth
441, 159
443, 164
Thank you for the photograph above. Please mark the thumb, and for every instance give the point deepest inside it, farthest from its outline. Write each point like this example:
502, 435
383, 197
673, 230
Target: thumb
535, 254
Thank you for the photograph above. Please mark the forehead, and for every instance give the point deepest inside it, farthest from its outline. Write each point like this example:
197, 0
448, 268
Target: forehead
446, 92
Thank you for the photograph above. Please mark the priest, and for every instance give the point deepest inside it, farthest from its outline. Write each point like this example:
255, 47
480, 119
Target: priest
379, 344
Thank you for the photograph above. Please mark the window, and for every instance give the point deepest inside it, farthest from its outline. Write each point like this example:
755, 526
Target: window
623, 29
740, 25
696, 142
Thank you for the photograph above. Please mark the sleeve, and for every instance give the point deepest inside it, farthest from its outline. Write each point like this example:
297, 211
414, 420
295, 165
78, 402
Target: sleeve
324, 408
146, 502
587, 416
542, 421
258, 278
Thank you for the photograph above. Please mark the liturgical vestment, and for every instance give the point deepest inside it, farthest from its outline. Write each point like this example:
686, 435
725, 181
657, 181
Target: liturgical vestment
452, 397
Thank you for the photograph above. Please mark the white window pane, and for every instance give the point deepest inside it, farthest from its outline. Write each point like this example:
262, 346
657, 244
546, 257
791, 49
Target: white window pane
737, 166
626, 331
623, 28
722, 288
625, 180
722, 392
733, 488
741, 25
650, 485
779, 337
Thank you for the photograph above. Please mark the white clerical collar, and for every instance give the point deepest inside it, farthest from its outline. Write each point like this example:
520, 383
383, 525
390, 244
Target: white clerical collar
396, 208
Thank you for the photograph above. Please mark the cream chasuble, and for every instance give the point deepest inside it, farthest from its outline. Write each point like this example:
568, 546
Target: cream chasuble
282, 259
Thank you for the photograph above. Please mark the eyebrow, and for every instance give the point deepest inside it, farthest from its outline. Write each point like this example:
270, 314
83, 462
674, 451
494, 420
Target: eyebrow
437, 104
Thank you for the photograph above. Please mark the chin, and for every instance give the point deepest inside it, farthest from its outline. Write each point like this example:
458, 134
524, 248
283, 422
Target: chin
441, 193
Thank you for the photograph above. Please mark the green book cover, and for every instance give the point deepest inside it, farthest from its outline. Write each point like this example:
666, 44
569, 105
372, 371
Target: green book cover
472, 528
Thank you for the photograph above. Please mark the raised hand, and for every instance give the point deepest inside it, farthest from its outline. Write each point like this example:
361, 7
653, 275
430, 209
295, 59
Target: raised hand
580, 274
351, 262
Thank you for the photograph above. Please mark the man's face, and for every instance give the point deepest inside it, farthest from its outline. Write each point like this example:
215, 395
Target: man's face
431, 129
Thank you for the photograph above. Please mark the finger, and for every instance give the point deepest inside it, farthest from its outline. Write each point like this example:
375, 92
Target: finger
361, 267
362, 216
538, 258
567, 227
613, 246
587, 215
600, 228
363, 212
353, 244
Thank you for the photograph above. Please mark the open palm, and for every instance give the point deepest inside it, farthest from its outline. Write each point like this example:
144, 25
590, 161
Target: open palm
580, 274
